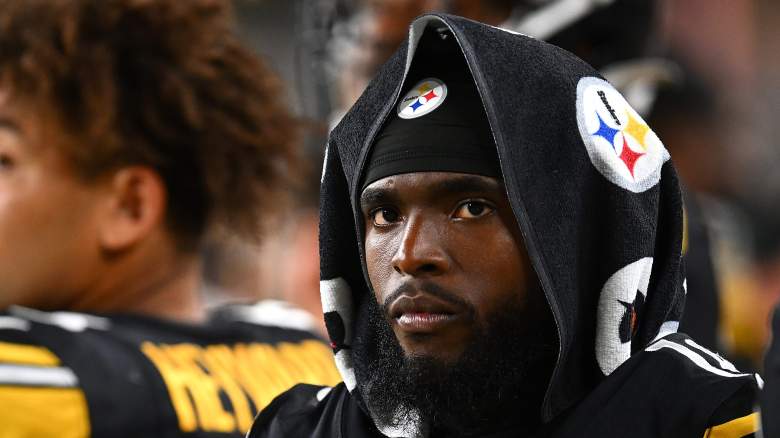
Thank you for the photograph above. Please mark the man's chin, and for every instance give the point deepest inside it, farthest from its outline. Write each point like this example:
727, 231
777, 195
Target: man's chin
431, 349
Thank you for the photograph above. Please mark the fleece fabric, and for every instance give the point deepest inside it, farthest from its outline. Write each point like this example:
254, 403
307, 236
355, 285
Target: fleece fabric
598, 204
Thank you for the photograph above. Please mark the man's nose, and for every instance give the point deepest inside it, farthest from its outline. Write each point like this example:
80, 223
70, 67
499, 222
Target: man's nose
421, 252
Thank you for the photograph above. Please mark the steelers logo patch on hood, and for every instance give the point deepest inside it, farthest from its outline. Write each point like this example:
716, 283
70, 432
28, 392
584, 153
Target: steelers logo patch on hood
620, 144
620, 305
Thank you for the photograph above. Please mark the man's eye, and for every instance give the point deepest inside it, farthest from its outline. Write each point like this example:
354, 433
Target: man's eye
384, 216
472, 210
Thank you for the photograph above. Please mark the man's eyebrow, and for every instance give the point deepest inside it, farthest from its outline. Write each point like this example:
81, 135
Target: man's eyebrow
376, 196
464, 184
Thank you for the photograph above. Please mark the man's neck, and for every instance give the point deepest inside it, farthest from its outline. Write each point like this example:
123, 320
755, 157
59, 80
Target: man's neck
153, 280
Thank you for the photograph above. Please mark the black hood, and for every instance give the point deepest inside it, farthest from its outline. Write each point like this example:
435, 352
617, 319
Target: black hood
593, 190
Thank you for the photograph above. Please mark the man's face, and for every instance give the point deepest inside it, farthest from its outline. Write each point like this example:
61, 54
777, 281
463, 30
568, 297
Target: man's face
443, 254
46, 213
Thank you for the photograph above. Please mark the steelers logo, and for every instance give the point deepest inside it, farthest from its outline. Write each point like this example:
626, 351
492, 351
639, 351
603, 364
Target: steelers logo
423, 98
620, 144
620, 313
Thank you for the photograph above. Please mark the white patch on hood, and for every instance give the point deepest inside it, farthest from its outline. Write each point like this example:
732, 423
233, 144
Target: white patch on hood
620, 145
620, 289
336, 297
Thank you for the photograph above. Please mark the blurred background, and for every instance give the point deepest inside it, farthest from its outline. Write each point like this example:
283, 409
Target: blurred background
705, 73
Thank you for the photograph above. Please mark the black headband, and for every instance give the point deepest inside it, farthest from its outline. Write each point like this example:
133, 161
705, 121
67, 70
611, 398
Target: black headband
439, 123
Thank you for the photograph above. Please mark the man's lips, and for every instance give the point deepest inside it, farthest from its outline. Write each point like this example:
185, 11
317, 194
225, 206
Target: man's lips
422, 313
423, 322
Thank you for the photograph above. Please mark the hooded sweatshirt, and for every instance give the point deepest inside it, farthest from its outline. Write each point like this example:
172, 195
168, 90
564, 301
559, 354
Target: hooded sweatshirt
598, 204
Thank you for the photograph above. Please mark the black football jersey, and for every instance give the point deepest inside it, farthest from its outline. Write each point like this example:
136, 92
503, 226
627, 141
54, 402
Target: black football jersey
70, 375
674, 389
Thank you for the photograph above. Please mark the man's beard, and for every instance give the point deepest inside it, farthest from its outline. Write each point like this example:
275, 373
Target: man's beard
498, 381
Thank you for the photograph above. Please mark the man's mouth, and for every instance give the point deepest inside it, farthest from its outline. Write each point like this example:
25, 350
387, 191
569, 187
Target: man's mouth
423, 322
422, 313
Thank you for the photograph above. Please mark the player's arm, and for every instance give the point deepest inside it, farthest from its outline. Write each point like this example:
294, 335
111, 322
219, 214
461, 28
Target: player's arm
39, 397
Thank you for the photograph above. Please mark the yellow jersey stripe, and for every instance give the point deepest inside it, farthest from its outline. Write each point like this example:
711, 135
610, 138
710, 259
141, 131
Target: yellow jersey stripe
43, 412
27, 355
736, 428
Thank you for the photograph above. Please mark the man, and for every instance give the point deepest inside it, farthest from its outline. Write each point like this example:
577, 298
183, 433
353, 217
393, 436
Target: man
501, 240
612, 36
129, 129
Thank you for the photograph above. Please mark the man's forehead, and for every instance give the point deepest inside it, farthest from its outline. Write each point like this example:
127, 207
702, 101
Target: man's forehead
433, 183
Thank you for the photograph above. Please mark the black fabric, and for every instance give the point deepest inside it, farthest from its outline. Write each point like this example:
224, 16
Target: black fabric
654, 394
739, 404
454, 137
129, 395
301, 413
599, 218
770, 398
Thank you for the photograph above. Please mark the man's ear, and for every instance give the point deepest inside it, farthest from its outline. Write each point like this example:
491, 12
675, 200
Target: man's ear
135, 207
